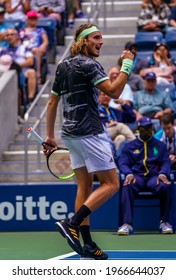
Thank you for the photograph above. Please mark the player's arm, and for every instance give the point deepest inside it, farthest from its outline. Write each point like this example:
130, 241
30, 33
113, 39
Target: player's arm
51, 115
115, 89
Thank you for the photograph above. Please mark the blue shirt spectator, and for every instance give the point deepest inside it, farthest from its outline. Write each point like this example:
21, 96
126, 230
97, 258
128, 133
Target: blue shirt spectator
3, 27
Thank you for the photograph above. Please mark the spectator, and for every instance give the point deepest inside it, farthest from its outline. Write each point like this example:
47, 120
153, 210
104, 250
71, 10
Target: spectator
49, 8
78, 11
170, 3
36, 39
3, 27
172, 19
135, 81
168, 135
150, 102
154, 17
118, 131
73, 10
126, 96
146, 165
138, 63
161, 64
24, 57
6, 63
16, 9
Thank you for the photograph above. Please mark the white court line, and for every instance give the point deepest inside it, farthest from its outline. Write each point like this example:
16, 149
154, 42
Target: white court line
135, 251
64, 256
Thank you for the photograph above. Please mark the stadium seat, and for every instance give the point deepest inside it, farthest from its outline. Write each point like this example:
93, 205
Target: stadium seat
169, 88
148, 202
146, 41
170, 39
18, 23
145, 55
49, 24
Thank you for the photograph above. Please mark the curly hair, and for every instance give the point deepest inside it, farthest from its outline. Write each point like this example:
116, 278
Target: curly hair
79, 44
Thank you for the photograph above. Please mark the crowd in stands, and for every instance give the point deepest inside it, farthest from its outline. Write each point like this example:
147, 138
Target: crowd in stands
146, 107
24, 46
142, 104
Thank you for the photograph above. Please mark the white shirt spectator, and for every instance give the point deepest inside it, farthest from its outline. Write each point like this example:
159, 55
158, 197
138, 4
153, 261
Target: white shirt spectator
126, 94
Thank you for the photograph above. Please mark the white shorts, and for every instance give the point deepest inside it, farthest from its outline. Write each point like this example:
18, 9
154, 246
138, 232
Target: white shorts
94, 152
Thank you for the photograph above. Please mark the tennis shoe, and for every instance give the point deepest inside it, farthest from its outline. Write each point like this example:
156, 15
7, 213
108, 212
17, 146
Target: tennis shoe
125, 229
93, 253
71, 233
165, 228
80, 15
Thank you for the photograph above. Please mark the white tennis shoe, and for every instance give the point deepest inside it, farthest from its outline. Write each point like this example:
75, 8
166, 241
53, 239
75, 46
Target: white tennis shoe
165, 228
125, 229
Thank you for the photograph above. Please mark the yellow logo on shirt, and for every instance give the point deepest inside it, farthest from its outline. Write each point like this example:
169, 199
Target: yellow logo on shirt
136, 151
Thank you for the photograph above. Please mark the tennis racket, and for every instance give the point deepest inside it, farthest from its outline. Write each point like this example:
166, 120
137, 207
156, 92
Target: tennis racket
58, 160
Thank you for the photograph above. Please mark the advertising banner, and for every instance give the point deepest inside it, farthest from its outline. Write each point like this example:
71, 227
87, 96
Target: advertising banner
38, 207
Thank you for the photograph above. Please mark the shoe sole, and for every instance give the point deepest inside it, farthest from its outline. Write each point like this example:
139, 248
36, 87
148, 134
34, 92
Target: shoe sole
167, 232
69, 239
124, 233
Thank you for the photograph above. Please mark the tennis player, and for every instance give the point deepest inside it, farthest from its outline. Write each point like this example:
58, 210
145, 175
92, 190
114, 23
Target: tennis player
77, 80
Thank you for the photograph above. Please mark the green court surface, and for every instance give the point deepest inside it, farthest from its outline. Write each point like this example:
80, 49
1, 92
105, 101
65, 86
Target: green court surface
45, 245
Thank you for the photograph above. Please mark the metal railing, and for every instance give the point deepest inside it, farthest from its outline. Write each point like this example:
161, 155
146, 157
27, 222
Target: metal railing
36, 126
99, 5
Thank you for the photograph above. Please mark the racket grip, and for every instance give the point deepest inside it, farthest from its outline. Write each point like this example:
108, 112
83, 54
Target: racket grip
35, 135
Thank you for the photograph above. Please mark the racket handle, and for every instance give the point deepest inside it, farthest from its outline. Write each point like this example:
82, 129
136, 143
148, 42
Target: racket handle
35, 135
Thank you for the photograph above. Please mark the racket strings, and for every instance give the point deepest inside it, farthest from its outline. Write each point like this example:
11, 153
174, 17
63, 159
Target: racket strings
59, 163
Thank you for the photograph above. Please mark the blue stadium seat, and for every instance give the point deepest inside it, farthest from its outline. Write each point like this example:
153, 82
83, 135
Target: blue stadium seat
147, 205
145, 55
49, 25
18, 23
146, 41
169, 88
170, 39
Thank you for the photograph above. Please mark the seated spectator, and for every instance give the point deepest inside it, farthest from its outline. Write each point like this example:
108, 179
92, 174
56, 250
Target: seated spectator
154, 17
170, 3
35, 39
24, 58
78, 11
49, 8
135, 81
73, 10
138, 63
150, 102
146, 165
126, 96
172, 19
161, 64
3, 27
117, 131
168, 135
16, 9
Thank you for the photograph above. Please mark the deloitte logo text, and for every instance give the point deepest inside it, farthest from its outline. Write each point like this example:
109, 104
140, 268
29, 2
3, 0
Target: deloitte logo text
27, 208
